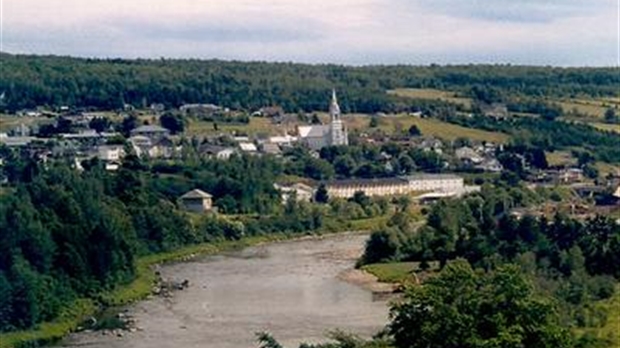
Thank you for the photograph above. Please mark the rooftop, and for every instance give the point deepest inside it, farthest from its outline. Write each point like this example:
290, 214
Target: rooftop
196, 193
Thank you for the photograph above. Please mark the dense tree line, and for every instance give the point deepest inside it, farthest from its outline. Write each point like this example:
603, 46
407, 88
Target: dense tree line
30, 81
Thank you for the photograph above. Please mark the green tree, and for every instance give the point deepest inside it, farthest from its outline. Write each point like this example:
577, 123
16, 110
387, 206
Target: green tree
321, 195
414, 131
462, 308
610, 116
174, 123
374, 122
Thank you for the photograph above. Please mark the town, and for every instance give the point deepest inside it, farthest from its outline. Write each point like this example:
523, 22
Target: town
155, 202
160, 134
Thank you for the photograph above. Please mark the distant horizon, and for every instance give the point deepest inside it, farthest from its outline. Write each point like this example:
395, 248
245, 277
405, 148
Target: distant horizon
558, 33
362, 65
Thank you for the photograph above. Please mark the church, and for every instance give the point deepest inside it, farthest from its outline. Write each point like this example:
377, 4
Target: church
319, 136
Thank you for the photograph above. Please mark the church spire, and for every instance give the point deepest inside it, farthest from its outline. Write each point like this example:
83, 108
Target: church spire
334, 108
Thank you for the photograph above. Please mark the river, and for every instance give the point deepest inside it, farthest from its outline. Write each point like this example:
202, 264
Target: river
290, 289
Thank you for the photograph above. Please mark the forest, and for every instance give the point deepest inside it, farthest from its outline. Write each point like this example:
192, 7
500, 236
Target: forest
30, 81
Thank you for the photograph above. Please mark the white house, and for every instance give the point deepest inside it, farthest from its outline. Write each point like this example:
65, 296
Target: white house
110, 153
196, 201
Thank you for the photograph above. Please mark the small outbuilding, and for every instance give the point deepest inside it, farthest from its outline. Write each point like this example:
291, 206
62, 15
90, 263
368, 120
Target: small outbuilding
196, 201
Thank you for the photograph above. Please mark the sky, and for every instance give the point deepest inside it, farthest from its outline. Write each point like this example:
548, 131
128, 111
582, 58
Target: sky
354, 32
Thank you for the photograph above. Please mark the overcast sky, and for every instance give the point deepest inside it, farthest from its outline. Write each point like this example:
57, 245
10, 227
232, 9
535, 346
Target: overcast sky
538, 32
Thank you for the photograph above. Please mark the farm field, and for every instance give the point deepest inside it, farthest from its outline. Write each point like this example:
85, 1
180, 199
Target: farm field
432, 94
428, 127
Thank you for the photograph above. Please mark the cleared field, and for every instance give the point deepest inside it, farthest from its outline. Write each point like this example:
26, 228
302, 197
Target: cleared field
606, 126
9, 122
560, 158
257, 125
591, 109
427, 126
432, 94
605, 169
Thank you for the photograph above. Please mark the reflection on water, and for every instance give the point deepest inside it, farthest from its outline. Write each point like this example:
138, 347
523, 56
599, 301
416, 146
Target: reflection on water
289, 289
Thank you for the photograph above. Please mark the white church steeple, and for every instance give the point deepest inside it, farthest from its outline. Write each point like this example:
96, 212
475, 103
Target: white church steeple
337, 134
334, 108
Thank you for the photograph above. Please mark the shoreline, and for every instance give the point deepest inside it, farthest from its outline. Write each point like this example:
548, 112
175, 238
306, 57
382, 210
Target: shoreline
368, 281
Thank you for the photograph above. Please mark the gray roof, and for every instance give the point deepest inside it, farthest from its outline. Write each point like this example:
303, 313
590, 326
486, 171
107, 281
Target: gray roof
419, 177
149, 129
317, 131
196, 193
366, 182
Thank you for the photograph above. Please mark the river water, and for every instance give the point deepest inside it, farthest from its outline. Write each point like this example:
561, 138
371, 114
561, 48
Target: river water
290, 289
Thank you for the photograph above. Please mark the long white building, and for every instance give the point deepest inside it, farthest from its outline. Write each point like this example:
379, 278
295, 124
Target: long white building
444, 185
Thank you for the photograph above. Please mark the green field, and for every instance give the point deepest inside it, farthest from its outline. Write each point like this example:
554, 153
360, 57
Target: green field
9, 122
394, 272
428, 127
606, 126
257, 125
432, 94
560, 158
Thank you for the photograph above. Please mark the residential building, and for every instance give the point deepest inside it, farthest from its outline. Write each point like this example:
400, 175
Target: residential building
196, 201
150, 131
302, 192
110, 153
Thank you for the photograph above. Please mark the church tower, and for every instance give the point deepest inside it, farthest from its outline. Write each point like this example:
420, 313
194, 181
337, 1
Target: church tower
337, 131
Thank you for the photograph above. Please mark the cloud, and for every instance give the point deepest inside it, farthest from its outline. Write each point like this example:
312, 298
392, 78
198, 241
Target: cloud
525, 11
549, 32
213, 30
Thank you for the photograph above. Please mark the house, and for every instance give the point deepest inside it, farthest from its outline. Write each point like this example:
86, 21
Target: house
154, 148
201, 109
495, 110
302, 192
286, 140
431, 144
570, 175
271, 149
468, 155
150, 131
219, 152
490, 165
196, 201
110, 153
270, 111
319, 136
248, 147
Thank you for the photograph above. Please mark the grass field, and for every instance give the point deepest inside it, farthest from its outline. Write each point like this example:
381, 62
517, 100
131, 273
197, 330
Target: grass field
605, 169
394, 272
427, 126
257, 125
8, 122
606, 126
560, 158
432, 94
